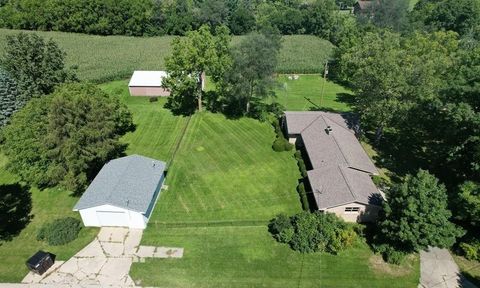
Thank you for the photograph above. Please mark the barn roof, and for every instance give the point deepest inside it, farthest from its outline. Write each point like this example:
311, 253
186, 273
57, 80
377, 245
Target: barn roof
147, 78
129, 182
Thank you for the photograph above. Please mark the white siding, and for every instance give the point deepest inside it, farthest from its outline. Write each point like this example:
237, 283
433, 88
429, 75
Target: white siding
130, 219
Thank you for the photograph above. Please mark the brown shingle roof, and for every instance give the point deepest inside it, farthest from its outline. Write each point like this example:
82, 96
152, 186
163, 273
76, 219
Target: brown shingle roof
341, 167
337, 185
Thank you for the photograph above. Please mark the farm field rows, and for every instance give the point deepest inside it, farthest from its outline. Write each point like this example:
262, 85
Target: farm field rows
106, 58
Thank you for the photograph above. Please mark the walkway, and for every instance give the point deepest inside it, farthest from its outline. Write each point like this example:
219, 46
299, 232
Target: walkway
439, 270
105, 262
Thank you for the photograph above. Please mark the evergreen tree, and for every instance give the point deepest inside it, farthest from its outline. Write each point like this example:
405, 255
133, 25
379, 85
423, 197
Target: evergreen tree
10, 100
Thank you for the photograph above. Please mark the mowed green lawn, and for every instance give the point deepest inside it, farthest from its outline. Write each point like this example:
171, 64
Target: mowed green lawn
106, 58
46, 206
306, 92
157, 130
225, 173
249, 257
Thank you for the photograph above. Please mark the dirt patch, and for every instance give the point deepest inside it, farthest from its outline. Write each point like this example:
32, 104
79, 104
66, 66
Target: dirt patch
379, 266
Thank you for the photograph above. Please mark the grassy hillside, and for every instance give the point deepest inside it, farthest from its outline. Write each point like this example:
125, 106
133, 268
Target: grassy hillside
103, 58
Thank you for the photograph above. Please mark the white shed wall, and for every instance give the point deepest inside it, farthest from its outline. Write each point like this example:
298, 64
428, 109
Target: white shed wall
135, 220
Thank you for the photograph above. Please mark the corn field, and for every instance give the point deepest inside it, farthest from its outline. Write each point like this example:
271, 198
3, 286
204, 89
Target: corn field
105, 58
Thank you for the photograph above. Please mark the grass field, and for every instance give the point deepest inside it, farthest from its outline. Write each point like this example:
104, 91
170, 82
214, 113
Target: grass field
305, 93
226, 174
105, 58
46, 206
469, 269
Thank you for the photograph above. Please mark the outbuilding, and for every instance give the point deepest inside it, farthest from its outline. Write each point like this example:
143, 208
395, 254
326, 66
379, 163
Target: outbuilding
147, 83
123, 193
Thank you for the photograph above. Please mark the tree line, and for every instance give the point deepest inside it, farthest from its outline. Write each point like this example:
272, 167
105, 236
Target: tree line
54, 130
175, 17
415, 76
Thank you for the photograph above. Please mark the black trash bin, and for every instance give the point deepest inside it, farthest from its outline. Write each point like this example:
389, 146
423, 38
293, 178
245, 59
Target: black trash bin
40, 262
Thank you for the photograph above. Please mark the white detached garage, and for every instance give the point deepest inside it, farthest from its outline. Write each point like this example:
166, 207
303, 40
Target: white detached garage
123, 193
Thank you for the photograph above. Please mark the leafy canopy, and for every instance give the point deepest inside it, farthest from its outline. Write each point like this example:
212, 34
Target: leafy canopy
313, 232
10, 100
197, 54
66, 137
37, 65
416, 215
251, 75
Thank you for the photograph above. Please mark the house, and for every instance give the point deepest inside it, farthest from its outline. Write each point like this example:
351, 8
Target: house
339, 170
362, 7
149, 83
123, 193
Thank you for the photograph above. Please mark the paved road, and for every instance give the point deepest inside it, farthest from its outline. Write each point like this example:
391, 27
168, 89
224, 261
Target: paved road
439, 270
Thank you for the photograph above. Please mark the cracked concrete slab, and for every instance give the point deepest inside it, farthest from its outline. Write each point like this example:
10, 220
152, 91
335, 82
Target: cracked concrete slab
104, 262
439, 270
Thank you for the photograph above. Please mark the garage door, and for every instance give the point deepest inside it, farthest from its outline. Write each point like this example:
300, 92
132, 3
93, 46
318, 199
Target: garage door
111, 218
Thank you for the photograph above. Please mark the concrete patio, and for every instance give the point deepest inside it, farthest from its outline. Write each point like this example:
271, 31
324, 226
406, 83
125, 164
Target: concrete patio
105, 262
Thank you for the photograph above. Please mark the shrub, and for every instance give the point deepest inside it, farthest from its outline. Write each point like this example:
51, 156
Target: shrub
311, 232
153, 99
393, 256
303, 196
471, 251
278, 145
60, 231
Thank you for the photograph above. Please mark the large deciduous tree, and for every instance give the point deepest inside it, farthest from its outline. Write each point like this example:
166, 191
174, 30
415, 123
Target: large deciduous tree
416, 215
197, 54
66, 137
251, 75
37, 65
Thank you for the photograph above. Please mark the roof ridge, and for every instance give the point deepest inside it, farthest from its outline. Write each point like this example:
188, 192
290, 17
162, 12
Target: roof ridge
346, 181
339, 147
313, 121
335, 122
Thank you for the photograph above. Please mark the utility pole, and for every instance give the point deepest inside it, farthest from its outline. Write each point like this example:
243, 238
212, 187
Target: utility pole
325, 73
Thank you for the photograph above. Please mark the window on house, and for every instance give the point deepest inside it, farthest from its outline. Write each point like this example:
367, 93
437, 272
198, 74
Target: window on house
352, 209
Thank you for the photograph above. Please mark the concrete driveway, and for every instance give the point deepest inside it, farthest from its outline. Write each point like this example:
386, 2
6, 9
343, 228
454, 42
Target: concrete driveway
439, 270
104, 262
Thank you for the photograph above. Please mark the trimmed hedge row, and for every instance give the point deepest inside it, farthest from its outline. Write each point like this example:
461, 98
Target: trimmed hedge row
280, 144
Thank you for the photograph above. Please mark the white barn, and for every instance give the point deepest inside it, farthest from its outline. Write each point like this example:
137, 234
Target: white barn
123, 194
148, 83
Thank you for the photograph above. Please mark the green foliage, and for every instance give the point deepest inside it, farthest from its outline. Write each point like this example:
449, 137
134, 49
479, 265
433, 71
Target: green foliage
460, 16
313, 232
471, 251
10, 100
176, 17
422, 202
280, 144
391, 14
250, 77
303, 196
468, 204
198, 53
65, 138
393, 256
35, 64
60, 231
103, 17
301, 163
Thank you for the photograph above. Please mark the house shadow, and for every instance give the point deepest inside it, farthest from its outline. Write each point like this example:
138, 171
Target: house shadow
15, 208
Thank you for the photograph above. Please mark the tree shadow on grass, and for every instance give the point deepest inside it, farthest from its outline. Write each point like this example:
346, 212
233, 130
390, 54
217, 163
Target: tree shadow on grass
346, 98
15, 208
